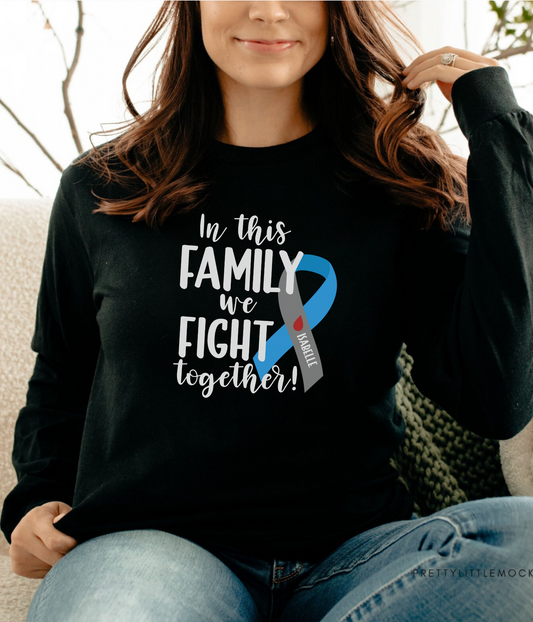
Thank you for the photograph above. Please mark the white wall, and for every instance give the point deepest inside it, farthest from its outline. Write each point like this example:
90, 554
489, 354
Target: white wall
32, 69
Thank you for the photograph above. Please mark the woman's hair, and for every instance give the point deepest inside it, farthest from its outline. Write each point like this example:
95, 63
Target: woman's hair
163, 150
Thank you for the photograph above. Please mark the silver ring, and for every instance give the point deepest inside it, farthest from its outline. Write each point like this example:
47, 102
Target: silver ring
448, 58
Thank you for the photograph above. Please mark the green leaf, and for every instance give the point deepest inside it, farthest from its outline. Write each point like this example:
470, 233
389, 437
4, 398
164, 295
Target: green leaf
497, 9
525, 17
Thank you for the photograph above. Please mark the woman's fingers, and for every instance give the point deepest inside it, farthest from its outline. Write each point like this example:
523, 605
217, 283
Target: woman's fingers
36, 545
446, 74
428, 68
26, 564
53, 538
462, 65
465, 55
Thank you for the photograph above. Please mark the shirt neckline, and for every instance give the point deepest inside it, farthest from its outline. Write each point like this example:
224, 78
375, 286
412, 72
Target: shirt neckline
261, 155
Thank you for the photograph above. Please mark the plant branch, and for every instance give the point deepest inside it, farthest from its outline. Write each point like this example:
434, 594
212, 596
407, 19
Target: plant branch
500, 23
15, 170
32, 136
450, 129
66, 82
49, 26
439, 128
523, 49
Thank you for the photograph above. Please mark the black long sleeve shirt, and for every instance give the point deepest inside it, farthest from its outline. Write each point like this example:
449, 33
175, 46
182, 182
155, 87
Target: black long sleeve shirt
231, 377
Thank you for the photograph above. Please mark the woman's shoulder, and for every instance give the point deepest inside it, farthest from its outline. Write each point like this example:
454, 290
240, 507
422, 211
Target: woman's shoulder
90, 171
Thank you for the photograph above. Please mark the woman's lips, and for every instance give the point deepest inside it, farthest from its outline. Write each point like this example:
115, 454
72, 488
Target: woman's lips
267, 47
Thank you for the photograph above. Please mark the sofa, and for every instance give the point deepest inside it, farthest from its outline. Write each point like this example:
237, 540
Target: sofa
23, 227
440, 462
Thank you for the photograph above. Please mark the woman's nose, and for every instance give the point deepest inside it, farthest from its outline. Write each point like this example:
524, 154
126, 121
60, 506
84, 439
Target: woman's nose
269, 11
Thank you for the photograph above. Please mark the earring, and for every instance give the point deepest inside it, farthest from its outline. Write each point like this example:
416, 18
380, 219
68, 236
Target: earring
332, 40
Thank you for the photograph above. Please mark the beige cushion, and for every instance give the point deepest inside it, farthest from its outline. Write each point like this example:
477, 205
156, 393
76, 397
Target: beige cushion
15, 593
23, 229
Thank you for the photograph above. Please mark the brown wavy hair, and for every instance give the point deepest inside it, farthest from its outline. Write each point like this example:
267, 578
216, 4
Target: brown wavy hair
369, 134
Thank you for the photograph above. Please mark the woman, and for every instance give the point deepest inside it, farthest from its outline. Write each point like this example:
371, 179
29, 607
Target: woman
209, 426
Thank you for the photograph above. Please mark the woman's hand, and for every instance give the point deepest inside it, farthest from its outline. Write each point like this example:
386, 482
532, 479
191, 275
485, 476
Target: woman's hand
36, 545
428, 68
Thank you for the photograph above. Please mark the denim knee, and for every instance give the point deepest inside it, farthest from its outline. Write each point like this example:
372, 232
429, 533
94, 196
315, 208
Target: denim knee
144, 575
514, 513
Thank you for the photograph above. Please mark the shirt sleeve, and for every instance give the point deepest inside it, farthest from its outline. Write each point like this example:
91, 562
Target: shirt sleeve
66, 339
467, 314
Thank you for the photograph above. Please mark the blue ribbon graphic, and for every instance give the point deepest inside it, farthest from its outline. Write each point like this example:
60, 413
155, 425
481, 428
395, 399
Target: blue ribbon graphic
315, 309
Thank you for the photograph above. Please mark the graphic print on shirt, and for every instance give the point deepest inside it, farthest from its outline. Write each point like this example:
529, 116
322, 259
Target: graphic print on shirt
298, 332
254, 270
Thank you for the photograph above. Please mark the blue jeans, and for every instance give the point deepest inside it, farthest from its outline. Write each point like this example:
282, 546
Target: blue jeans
471, 561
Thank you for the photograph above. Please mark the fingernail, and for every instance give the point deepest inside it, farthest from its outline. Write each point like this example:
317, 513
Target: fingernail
58, 517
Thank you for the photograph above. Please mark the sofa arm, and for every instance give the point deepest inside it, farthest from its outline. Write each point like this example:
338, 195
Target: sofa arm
23, 230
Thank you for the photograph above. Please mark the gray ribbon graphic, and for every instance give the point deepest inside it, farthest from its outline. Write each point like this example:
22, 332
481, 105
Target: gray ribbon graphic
292, 311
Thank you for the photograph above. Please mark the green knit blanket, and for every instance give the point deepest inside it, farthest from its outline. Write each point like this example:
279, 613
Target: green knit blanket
440, 462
